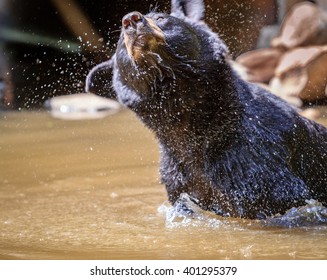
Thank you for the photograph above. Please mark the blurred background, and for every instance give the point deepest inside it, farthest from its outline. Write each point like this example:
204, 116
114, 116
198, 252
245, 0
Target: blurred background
48, 46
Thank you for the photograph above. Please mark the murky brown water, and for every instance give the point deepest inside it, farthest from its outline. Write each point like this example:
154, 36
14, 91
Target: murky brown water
90, 190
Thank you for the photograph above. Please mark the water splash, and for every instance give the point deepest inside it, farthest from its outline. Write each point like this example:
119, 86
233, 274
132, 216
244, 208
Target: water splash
311, 214
185, 213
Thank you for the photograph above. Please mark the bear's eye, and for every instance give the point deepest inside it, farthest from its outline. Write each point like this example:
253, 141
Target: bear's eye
159, 18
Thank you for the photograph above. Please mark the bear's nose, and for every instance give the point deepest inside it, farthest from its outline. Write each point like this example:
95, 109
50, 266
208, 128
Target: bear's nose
132, 19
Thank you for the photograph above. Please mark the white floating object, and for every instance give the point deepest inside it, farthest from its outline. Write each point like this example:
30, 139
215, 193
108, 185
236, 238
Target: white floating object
81, 106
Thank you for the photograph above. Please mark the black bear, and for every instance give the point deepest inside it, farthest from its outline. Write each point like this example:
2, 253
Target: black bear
233, 147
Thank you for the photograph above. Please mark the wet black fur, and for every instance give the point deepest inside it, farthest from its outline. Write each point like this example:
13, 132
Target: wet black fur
234, 147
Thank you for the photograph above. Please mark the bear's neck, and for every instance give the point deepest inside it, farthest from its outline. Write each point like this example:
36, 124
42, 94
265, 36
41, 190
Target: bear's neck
195, 114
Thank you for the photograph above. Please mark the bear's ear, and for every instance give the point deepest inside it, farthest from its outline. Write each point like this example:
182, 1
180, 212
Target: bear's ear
99, 79
193, 9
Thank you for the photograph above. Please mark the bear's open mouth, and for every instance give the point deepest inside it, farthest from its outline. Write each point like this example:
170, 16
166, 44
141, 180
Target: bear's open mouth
141, 37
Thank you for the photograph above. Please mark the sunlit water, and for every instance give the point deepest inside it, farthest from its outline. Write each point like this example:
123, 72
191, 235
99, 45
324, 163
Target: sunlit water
90, 190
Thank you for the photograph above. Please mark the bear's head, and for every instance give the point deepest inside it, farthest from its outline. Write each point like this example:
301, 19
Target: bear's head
160, 56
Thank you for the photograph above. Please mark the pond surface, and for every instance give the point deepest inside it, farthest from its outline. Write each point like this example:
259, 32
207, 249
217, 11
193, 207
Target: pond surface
90, 190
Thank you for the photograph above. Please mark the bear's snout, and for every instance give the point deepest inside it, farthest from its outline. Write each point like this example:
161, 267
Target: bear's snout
141, 34
132, 20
